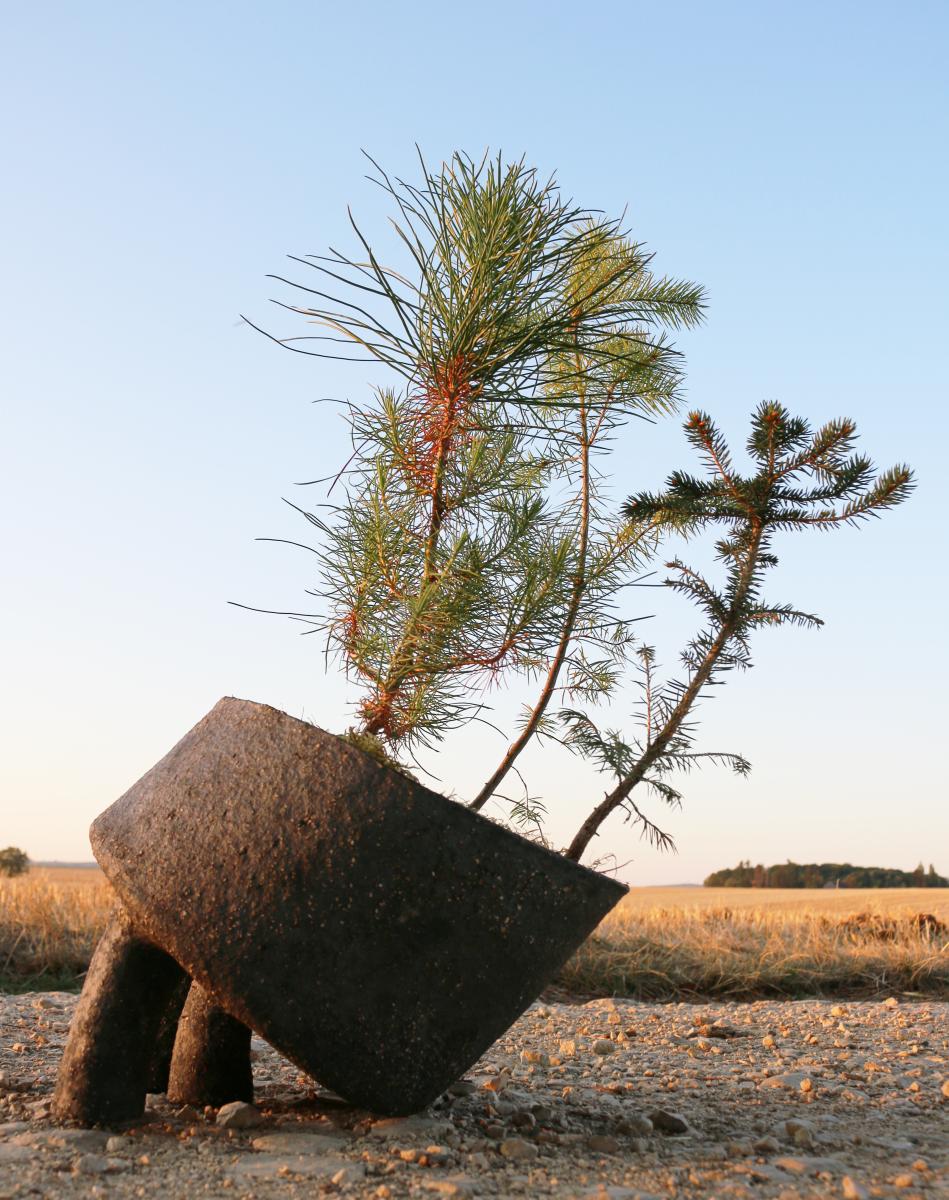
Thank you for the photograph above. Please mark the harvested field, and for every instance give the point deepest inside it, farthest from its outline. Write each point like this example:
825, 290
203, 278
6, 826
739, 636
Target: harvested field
658, 944
744, 943
50, 921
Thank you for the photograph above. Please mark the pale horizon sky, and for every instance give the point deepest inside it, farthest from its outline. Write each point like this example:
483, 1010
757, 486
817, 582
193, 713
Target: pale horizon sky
161, 161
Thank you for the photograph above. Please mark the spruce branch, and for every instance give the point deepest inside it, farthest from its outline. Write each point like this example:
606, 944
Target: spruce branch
754, 508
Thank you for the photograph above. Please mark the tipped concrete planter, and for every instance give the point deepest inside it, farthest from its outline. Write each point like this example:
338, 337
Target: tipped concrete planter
378, 935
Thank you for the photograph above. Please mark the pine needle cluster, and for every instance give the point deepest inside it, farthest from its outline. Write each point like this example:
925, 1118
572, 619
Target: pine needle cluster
448, 566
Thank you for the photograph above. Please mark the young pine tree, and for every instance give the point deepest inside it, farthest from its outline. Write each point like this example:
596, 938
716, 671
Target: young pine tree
446, 566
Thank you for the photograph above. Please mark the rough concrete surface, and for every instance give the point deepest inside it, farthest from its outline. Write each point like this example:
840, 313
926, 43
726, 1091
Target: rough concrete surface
606, 1099
317, 896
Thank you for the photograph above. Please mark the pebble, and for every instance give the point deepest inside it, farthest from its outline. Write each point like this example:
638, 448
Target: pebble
851, 1189
603, 1046
457, 1185
238, 1115
635, 1124
668, 1122
792, 1080
517, 1148
91, 1164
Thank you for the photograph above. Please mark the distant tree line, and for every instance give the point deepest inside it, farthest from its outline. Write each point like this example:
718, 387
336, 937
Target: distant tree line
818, 875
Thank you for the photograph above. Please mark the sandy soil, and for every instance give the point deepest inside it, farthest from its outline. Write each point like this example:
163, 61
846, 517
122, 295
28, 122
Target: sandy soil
608, 1099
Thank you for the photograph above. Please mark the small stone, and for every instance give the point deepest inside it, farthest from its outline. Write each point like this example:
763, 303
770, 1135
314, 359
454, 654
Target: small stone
239, 1115
791, 1080
767, 1145
891, 1002
636, 1124
945, 1088
463, 1087
454, 1185
116, 1144
903, 1181
437, 1156
351, 1173
807, 1085
91, 1164
603, 1046
851, 1189
536, 1057
668, 1122
797, 1166
603, 1143
568, 1049
518, 1149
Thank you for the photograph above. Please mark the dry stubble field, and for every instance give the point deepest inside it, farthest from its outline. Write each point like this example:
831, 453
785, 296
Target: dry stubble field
659, 943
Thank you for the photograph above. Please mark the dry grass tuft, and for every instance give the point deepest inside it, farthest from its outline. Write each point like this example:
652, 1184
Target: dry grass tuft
50, 921
658, 944
738, 951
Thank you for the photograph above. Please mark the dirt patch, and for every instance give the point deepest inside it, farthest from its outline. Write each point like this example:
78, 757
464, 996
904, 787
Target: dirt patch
617, 1100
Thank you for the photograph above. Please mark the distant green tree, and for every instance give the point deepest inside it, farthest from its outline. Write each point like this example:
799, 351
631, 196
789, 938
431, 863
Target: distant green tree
13, 861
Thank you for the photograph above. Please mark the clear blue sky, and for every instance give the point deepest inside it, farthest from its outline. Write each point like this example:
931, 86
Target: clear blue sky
159, 160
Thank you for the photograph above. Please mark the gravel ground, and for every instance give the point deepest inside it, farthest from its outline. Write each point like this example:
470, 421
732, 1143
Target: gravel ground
608, 1099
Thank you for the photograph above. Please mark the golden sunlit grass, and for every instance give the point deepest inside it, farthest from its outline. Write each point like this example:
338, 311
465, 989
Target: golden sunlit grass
659, 943
50, 921
672, 943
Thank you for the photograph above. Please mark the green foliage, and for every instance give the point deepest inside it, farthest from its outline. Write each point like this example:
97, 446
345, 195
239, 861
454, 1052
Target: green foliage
589, 397
447, 565
796, 875
473, 539
13, 861
803, 480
